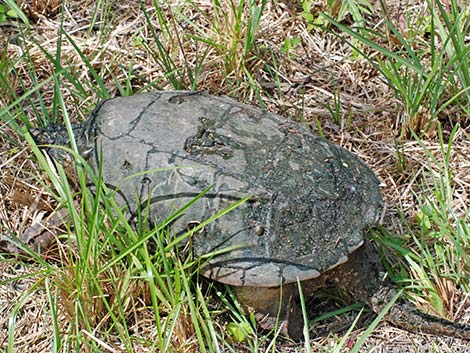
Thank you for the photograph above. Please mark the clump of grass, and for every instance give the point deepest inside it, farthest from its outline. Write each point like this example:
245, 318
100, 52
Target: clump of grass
339, 10
429, 72
436, 269
228, 33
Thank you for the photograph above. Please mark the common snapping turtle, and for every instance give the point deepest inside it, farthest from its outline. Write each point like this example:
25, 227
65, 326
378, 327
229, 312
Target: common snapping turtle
311, 203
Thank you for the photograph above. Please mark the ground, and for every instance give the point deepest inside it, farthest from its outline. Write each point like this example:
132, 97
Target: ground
319, 82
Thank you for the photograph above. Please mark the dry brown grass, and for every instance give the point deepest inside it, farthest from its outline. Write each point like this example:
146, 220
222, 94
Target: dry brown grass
310, 78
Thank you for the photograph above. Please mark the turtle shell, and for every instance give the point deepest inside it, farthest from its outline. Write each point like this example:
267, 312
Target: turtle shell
310, 204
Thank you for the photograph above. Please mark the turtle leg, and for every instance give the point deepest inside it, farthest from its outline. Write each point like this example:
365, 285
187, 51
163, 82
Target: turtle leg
363, 277
274, 307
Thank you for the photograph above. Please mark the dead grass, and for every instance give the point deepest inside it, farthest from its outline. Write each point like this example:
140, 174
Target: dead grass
310, 77
33, 322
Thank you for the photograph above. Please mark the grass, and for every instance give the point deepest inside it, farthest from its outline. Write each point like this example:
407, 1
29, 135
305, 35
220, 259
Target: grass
429, 71
398, 97
437, 260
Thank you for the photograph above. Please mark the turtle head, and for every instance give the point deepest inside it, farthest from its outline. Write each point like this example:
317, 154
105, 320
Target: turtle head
57, 135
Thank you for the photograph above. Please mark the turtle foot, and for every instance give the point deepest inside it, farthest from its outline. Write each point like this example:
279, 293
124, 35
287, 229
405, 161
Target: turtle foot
275, 308
291, 326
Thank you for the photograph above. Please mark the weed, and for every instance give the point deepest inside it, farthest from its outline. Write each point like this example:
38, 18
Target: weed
10, 10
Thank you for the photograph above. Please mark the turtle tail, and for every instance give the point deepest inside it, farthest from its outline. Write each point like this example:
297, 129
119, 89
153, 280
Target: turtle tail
406, 316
